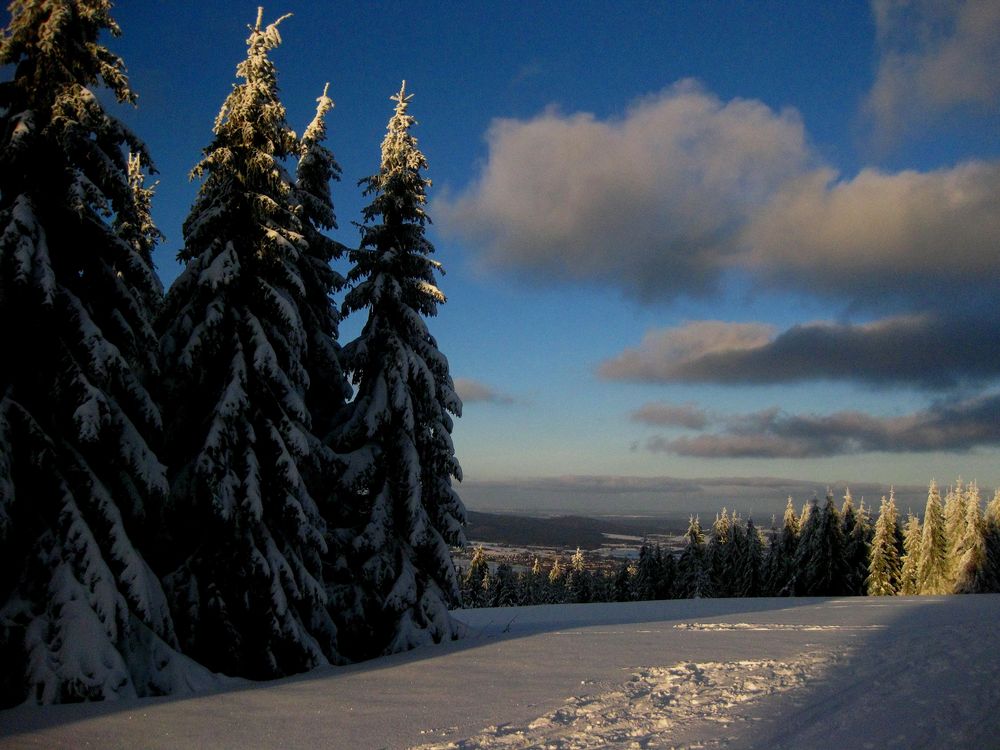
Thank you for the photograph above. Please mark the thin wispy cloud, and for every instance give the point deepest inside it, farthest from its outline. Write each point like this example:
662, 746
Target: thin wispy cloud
473, 391
671, 415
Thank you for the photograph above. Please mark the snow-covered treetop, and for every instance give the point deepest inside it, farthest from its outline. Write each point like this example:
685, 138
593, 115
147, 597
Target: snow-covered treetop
252, 137
57, 57
316, 168
316, 130
399, 147
54, 44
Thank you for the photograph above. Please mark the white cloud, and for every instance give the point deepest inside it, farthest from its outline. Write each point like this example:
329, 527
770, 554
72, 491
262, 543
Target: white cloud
902, 234
650, 202
685, 187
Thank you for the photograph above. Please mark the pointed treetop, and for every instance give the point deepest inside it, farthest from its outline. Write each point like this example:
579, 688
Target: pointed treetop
268, 36
402, 98
316, 131
260, 20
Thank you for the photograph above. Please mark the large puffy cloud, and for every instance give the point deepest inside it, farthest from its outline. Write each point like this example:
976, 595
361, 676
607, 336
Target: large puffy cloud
955, 426
884, 238
686, 187
935, 55
651, 202
921, 350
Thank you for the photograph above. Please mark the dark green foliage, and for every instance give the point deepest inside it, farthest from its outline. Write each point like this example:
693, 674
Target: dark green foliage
84, 617
397, 430
750, 563
246, 538
694, 579
857, 542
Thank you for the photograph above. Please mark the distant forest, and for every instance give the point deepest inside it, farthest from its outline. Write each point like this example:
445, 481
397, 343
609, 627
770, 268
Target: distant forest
821, 551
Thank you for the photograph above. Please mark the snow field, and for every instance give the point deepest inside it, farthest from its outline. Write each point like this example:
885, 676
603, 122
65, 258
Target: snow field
894, 672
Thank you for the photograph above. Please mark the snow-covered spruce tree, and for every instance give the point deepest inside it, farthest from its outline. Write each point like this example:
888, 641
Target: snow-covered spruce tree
809, 546
667, 567
750, 570
399, 425
474, 579
991, 533
720, 554
974, 573
694, 576
857, 535
82, 616
884, 562
644, 584
555, 591
246, 539
328, 388
932, 564
908, 585
825, 566
954, 530
782, 555
579, 584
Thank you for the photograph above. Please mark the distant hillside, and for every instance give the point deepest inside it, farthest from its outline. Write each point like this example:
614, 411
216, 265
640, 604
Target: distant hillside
562, 531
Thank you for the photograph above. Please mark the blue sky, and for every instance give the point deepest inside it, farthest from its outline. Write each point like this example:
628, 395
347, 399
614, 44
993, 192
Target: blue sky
687, 239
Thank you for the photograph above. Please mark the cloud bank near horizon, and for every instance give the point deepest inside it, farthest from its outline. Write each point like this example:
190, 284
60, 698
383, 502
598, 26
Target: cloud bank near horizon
760, 497
952, 426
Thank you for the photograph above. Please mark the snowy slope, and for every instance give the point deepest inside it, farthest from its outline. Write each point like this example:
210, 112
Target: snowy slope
742, 673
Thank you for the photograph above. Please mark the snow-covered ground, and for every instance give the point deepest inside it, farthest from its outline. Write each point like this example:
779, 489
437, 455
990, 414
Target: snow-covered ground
739, 673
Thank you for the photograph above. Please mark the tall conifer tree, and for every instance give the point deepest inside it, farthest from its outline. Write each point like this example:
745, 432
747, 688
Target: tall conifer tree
884, 562
246, 538
694, 575
399, 425
329, 388
783, 555
908, 583
81, 613
974, 575
932, 564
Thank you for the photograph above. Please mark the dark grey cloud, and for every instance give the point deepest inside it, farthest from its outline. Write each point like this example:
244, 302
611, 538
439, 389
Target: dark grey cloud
671, 415
931, 351
934, 56
473, 391
957, 426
